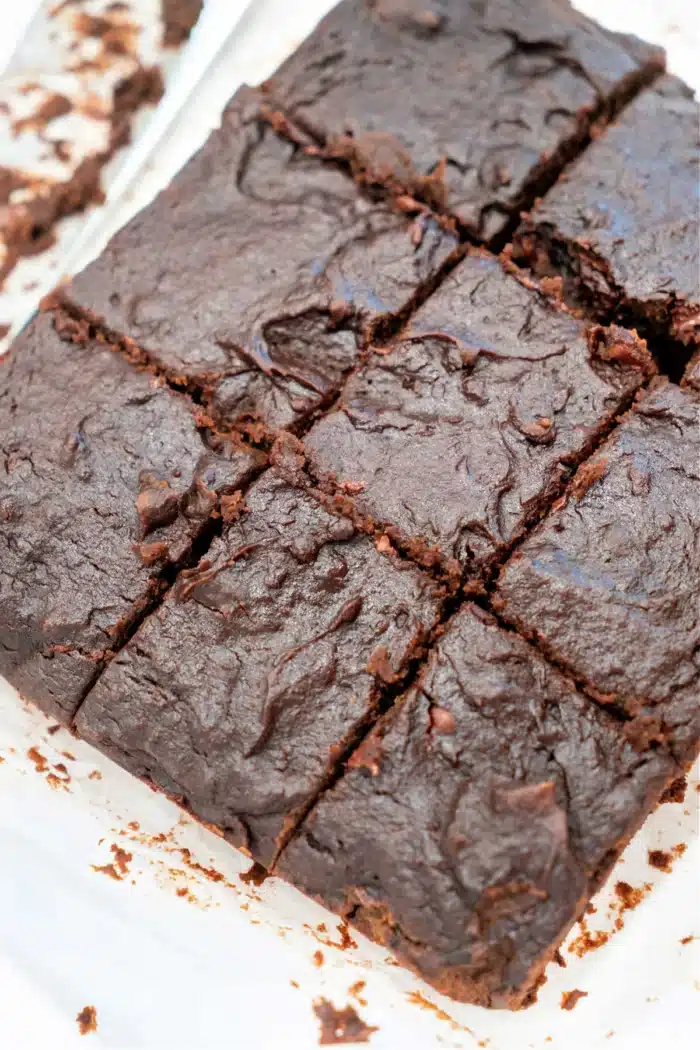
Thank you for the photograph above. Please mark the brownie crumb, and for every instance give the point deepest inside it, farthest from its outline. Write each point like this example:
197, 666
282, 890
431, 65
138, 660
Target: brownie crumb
570, 999
663, 860
87, 1020
675, 792
341, 1026
255, 876
559, 959
318, 958
688, 939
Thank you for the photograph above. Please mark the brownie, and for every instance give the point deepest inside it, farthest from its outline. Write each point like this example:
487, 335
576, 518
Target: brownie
179, 18
240, 693
258, 274
105, 484
474, 823
623, 225
486, 98
609, 583
461, 434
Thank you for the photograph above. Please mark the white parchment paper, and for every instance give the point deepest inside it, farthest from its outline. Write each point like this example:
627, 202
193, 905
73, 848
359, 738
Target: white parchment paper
178, 952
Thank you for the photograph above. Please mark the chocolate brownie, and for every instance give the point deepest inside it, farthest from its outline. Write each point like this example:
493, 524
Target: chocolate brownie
472, 826
257, 275
609, 582
624, 225
241, 691
462, 433
105, 483
484, 97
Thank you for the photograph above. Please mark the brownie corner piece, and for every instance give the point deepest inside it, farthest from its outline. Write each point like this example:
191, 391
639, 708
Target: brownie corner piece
507, 91
457, 436
258, 275
608, 583
105, 483
621, 226
240, 694
471, 828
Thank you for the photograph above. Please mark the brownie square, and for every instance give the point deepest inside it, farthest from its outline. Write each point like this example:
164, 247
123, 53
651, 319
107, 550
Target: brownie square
624, 224
105, 483
258, 274
609, 582
466, 430
240, 692
479, 816
484, 97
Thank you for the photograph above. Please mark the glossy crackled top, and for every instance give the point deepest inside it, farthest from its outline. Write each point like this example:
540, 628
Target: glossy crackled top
240, 688
611, 581
479, 814
258, 272
468, 424
104, 478
491, 89
632, 198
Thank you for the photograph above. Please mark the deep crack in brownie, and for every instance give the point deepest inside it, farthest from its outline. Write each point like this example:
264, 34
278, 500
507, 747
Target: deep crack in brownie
259, 273
240, 693
475, 821
461, 103
105, 482
609, 582
623, 225
464, 430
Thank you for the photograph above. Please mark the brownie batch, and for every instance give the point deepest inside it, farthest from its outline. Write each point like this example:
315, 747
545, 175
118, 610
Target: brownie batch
375, 549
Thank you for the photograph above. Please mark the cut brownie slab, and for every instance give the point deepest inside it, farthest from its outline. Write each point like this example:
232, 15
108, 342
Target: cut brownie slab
463, 103
105, 482
624, 225
462, 433
474, 823
241, 691
609, 583
258, 273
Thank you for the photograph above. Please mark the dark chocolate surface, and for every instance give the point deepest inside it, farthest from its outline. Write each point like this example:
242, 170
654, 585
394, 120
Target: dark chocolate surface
258, 273
610, 583
104, 480
460, 434
626, 219
495, 90
238, 691
469, 830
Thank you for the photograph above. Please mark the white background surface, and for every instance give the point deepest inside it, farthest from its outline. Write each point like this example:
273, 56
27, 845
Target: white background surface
228, 966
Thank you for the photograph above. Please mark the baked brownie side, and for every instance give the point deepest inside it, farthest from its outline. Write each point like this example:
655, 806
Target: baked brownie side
484, 98
258, 274
473, 825
609, 582
241, 691
624, 224
179, 19
105, 483
461, 435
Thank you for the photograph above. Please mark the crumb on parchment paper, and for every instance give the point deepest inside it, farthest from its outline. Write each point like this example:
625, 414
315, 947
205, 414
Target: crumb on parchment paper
570, 999
87, 1020
341, 1026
